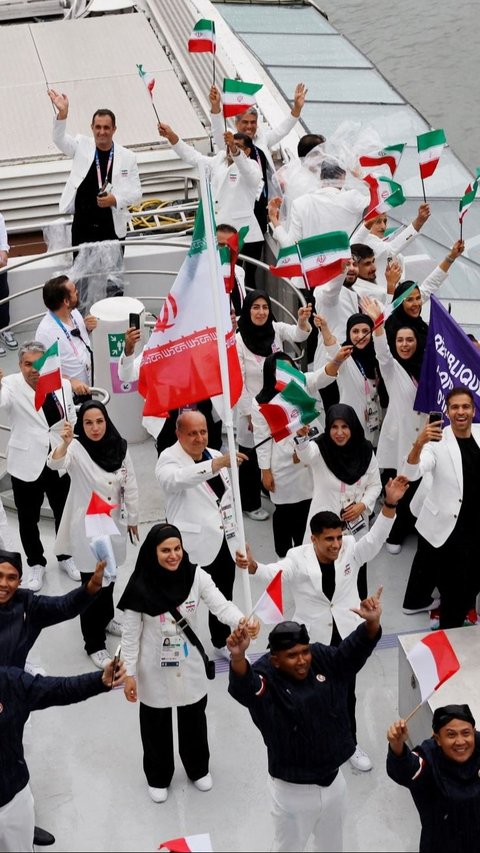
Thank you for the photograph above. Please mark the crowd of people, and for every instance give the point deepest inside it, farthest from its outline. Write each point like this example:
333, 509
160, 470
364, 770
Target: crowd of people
369, 471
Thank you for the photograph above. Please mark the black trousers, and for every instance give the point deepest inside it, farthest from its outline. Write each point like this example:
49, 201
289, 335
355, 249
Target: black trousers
250, 480
252, 250
28, 499
222, 573
351, 698
289, 522
157, 739
96, 617
4, 309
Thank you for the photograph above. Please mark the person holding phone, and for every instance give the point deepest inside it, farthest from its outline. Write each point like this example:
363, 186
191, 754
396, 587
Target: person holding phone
97, 460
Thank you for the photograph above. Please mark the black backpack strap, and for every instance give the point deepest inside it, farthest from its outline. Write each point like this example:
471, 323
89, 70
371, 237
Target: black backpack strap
190, 634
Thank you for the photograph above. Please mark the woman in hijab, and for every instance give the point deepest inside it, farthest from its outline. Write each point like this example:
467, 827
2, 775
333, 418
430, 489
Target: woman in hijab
157, 651
346, 477
96, 457
258, 335
288, 481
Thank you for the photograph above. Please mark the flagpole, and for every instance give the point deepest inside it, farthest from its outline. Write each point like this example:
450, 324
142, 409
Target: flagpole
461, 228
423, 190
222, 356
355, 229
155, 109
413, 712
304, 276
214, 50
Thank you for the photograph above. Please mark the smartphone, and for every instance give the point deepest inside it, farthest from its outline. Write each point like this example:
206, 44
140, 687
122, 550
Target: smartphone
313, 432
134, 320
115, 662
435, 418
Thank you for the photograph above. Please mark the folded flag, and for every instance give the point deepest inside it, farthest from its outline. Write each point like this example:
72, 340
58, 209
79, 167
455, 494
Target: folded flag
433, 662
288, 263
384, 194
289, 410
389, 156
229, 254
50, 379
430, 146
97, 518
147, 78
324, 256
203, 38
238, 96
188, 844
467, 199
389, 309
285, 373
269, 607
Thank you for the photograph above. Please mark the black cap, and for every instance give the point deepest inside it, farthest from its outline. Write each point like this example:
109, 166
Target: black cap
286, 635
443, 716
12, 557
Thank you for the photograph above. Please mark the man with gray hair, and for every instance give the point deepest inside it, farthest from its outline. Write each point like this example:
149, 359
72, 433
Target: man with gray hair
33, 434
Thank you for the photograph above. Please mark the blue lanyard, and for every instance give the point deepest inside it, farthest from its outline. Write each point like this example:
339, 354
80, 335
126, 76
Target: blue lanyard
102, 184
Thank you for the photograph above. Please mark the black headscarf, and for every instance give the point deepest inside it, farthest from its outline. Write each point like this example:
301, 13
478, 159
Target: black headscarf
364, 358
347, 463
109, 452
257, 339
399, 319
153, 589
413, 365
269, 376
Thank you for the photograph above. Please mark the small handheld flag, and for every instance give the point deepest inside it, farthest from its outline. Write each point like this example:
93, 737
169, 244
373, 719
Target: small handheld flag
384, 195
289, 410
149, 81
288, 263
238, 96
188, 844
466, 202
269, 607
323, 257
389, 156
433, 662
429, 146
50, 379
229, 254
203, 38
97, 518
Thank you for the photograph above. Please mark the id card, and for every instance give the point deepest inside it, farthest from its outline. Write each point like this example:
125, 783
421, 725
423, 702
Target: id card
372, 418
228, 519
172, 651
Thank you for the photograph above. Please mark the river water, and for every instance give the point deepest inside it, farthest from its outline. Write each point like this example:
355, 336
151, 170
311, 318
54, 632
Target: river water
430, 51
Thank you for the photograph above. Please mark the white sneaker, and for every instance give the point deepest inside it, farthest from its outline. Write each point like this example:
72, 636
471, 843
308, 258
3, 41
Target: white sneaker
9, 340
259, 514
222, 653
3, 351
360, 760
35, 580
410, 611
70, 568
100, 658
205, 783
393, 549
158, 795
114, 627
33, 669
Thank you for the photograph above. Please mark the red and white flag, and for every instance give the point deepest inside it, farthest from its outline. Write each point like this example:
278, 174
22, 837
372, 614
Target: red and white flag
433, 662
194, 843
97, 518
180, 363
269, 606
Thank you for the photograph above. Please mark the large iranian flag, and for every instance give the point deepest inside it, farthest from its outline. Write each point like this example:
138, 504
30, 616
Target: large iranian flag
238, 96
384, 195
288, 263
467, 199
324, 256
289, 410
389, 156
50, 379
430, 146
203, 38
180, 363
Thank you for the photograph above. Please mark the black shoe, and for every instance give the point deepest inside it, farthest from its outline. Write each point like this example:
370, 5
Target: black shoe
42, 837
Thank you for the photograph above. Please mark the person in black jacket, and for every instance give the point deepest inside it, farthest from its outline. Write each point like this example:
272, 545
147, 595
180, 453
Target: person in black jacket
297, 697
21, 693
443, 777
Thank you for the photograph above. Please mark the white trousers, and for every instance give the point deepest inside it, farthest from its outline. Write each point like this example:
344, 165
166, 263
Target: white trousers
300, 810
17, 823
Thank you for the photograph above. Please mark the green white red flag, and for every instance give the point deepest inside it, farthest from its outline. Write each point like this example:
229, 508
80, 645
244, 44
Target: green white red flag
384, 195
288, 263
148, 79
269, 607
50, 379
285, 373
289, 410
324, 256
229, 254
180, 363
389, 156
238, 96
430, 146
203, 38
467, 199
390, 308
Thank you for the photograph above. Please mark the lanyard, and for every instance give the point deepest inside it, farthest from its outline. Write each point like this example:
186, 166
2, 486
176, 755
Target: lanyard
259, 161
102, 184
67, 333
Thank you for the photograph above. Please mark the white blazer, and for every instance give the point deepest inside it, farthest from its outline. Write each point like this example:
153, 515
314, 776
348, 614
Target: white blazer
265, 138
356, 390
31, 437
441, 463
125, 179
385, 249
190, 503
402, 423
301, 571
235, 187
293, 481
